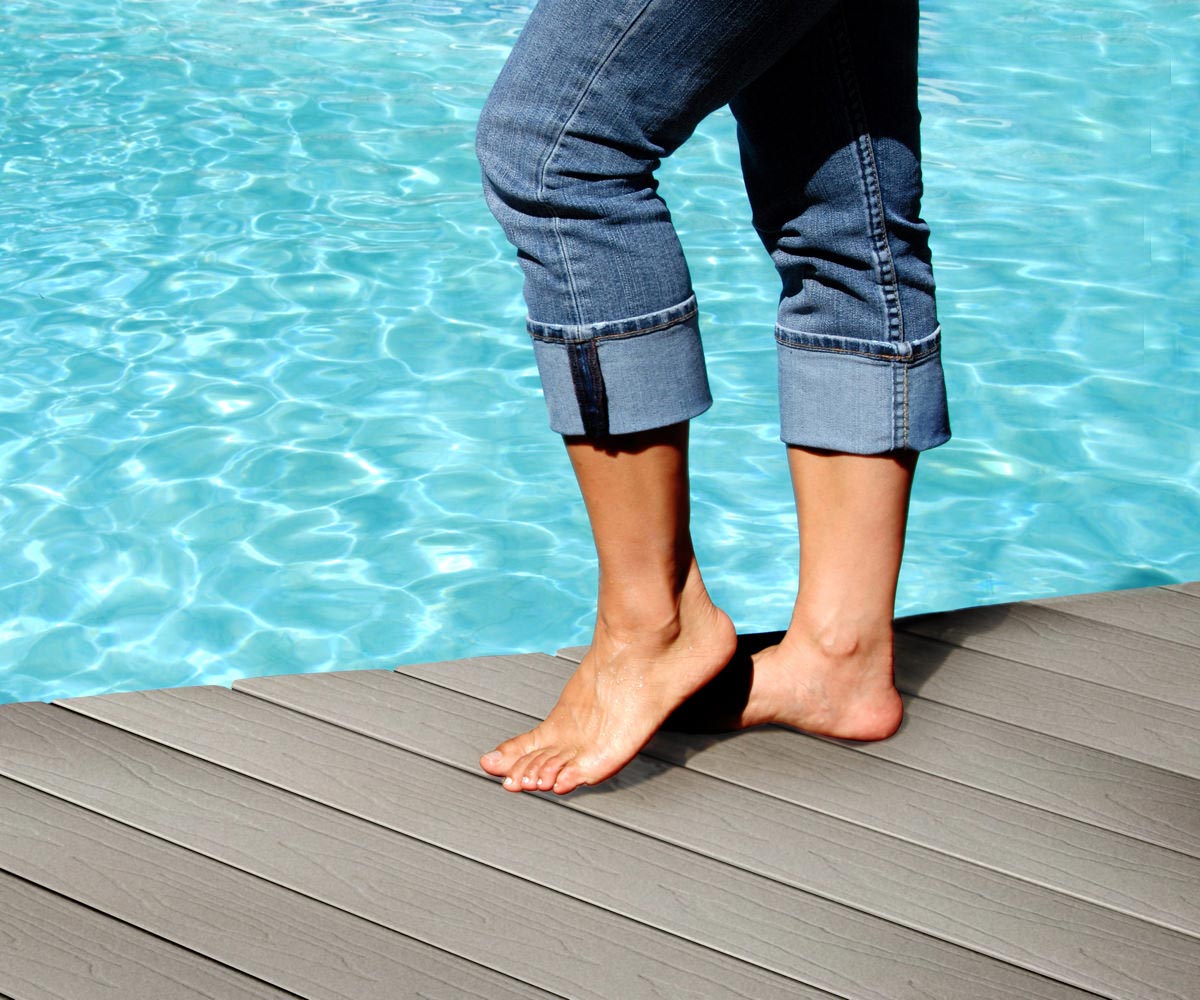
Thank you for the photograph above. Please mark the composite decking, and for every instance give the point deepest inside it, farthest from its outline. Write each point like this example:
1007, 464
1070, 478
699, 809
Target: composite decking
1033, 831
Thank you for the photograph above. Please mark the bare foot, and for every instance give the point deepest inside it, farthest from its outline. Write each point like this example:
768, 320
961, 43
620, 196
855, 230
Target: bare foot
848, 692
617, 699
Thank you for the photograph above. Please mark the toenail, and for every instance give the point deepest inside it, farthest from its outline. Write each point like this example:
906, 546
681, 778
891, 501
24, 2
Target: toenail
508, 781
492, 757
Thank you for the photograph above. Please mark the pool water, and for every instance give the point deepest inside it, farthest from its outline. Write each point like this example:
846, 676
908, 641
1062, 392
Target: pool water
266, 402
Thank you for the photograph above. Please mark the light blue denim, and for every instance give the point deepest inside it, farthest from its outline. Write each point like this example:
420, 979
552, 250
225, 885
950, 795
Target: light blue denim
597, 92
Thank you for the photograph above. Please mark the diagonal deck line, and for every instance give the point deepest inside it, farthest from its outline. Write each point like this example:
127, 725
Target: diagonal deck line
1032, 844
1031, 832
937, 895
61, 948
390, 879
1096, 652
223, 913
786, 931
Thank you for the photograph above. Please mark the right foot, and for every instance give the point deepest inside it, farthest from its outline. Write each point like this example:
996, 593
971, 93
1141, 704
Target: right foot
617, 699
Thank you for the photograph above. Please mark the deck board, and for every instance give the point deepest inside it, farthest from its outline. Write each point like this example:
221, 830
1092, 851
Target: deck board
1143, 729
1099, 788
262, 929
720, 906
935, 894
392, 880
1089, 650
55, 949
1153, 611
1035, 845
1033, 831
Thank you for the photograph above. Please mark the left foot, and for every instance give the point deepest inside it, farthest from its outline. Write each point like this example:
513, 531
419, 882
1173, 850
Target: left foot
848, 693
617, 699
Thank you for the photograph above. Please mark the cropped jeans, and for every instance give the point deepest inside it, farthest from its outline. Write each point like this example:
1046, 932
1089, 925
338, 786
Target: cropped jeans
597, 92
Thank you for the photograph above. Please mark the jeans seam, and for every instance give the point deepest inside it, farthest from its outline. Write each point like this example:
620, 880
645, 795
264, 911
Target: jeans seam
618, 335
541, 189
869, 176
902, 360
904, 441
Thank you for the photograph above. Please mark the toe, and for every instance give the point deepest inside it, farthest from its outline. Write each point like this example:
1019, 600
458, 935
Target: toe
493, 762
501, 761
548, 770
521, 776
569, 777
532, 769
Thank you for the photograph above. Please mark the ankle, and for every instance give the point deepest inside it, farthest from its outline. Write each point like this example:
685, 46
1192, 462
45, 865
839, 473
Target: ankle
651, 608
842, 637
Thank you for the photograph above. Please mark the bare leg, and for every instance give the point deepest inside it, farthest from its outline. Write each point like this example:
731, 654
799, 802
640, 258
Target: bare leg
658, 636
832, 673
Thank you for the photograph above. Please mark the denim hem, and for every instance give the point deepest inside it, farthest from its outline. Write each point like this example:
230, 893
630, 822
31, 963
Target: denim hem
910, 351
632, 375
861, 397
635, 326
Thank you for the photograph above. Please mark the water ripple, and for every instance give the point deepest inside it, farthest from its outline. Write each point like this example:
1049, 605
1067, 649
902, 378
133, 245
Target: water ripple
267, 404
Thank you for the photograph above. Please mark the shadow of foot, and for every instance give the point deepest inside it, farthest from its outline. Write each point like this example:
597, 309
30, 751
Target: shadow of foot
718, 706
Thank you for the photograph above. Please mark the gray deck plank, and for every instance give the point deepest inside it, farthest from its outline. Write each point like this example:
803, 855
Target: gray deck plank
1143, 729
1032, 844
55, 949
1096, 787
1155, 611
261, 929
460, 906
722, 907
1052, 636
1093, 786
1191, 589
1032, 927
1128, 725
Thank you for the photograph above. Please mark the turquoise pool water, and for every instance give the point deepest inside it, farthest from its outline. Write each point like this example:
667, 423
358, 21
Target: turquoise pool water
266, 404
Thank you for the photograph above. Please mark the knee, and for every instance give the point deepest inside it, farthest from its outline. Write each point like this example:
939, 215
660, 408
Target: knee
511, 152
537, 167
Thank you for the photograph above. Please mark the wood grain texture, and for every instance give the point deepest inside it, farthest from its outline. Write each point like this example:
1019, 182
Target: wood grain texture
1033, 844
54, 949
1191, 589
1093, 786
1096, 787
1108, 869
745, 915
1034, 928
1127, 725
394, 881
254, 926
1050, 635
1155, 611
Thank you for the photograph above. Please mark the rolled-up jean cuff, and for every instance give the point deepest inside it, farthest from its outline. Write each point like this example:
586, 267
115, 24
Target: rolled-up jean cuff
625, 375
860, 396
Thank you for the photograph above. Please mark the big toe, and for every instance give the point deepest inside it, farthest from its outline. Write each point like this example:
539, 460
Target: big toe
501, 761
493, 762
